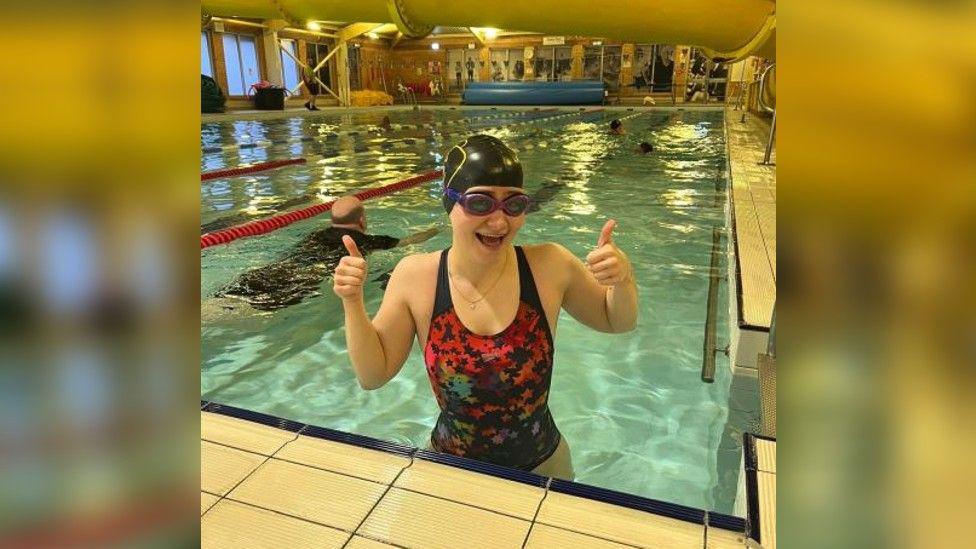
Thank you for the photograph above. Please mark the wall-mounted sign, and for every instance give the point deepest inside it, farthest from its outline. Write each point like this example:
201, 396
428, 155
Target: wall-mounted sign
598, 42
553, 40
470, 45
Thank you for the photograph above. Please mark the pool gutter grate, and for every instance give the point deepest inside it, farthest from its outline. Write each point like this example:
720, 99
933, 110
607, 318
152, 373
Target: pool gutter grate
630, 501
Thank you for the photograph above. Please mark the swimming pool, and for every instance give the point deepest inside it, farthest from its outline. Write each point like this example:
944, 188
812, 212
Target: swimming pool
633, 408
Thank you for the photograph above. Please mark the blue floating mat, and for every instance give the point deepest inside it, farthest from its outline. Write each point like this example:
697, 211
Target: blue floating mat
534, 93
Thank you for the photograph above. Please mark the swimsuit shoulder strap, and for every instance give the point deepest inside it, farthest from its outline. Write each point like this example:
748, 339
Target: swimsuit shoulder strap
442, 297
530, 294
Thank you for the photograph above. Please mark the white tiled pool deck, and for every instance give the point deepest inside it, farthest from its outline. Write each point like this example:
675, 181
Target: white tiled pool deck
268, 487
754, 203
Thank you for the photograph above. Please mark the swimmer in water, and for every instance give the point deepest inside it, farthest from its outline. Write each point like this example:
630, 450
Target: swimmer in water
645, 148
616, 127
300, 273
484, 311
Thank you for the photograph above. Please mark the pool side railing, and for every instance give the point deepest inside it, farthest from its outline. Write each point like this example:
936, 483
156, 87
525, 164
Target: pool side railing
711, 316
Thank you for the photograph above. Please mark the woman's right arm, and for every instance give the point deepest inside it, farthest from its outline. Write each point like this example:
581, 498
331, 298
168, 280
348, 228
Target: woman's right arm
377, 348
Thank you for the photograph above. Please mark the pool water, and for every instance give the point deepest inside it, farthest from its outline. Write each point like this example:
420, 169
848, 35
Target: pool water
632, 406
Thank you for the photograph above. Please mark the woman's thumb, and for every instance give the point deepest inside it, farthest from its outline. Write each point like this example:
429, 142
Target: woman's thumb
351, 246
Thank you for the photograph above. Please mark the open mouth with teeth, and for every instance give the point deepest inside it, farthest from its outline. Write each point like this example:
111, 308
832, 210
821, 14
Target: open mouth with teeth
491, 241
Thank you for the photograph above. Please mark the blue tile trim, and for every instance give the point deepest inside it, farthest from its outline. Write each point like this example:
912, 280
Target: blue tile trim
726, 522
752, 504
663, 508
203, 404
358, 440
490, 469
749, 452
256, 417
763, 437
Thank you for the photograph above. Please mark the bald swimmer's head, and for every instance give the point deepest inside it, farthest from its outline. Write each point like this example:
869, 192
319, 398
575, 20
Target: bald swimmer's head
348, 212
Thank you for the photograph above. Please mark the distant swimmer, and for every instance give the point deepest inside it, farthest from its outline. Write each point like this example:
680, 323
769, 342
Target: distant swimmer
645, 148
300, 273
616, 127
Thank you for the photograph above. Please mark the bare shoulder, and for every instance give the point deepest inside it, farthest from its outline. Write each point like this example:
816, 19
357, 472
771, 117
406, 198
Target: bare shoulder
415, 273
551, 259
418, 264
414, 283
546, 253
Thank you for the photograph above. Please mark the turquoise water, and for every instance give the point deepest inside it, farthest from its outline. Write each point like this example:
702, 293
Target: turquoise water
632, 406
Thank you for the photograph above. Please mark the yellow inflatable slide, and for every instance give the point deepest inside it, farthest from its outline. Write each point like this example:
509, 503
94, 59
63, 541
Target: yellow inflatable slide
725, 29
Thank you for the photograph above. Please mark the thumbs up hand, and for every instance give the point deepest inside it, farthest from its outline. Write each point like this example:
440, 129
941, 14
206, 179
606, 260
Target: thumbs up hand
350, 273
608, 264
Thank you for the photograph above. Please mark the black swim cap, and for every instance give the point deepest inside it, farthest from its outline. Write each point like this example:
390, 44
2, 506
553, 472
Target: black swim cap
614, 124
480, 160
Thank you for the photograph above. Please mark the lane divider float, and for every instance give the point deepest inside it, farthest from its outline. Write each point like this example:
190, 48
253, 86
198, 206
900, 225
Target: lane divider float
253, 168
266, 225
402, 143
293, 140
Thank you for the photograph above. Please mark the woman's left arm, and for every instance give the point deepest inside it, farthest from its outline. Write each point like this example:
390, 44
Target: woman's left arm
601, 293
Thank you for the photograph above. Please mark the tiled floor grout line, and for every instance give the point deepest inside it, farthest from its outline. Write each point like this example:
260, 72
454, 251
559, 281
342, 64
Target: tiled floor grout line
247, 476
388, 486
442, 498
594, 536
545, 493
374, 481
202, 491
284, 514
378, 500
705, 531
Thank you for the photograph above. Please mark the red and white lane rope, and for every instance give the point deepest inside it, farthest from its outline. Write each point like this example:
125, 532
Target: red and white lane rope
253, 168
276, 222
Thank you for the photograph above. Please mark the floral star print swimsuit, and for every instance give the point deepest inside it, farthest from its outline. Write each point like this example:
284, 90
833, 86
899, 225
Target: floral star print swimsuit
493, 391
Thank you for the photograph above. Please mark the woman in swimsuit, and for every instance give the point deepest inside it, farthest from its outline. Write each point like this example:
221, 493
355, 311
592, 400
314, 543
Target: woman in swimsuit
484, 311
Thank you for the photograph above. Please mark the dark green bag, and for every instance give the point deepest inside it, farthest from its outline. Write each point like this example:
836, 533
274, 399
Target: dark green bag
211, 98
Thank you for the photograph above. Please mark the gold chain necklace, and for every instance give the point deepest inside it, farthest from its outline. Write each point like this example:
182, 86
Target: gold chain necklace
474, 303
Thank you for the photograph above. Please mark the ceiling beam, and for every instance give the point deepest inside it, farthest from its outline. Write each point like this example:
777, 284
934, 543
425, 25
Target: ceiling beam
477, 37
396, 39
356, 29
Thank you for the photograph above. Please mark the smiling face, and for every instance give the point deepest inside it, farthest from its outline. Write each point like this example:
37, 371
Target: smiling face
486, 236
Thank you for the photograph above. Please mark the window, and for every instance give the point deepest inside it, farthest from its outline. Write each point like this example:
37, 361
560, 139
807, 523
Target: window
718, 79
663, 68
591, 62
455, 69
643, 66
499, 65
516, 64
611, 68
206, 66
354, 81
241, 59
290, 74
543, 64
471, 64
696, 90
314, 54
564, 63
